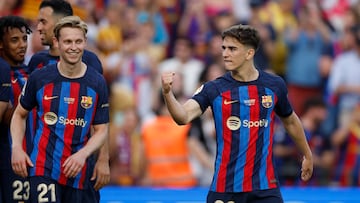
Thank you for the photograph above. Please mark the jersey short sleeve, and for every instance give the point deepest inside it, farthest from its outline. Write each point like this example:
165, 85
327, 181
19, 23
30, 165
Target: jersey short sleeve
102, 110
283, 107
28, 94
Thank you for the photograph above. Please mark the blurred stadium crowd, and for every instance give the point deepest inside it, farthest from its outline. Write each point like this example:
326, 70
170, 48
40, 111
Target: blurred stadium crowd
313, 44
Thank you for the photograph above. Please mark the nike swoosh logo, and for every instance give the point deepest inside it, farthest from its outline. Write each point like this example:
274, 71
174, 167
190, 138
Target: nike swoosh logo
50, 98
226, 102
14, 81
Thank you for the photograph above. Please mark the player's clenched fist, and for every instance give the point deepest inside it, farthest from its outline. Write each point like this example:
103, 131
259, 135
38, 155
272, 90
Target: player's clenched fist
167, 80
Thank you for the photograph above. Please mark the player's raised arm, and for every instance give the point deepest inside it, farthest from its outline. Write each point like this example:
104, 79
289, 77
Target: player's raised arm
181, 113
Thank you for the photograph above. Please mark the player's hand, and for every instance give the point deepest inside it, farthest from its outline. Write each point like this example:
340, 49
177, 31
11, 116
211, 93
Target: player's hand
306, 169
73, 164
166, 81
101, 174
19, 161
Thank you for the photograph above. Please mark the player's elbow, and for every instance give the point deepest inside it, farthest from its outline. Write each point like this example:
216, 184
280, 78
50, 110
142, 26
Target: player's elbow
181, 121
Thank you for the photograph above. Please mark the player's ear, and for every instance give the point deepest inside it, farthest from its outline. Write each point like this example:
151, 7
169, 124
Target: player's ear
250, 54
55, 42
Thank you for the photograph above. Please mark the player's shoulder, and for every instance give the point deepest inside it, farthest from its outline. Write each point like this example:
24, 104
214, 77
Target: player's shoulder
44, 72
39, 58
93, 75
40, 54
221, 81
92, 60
272, 81
89, 53
270, 77
4, 66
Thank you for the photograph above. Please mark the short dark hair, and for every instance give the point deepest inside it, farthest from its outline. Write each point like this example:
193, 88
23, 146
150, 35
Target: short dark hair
59, 7
7, 22
245, 34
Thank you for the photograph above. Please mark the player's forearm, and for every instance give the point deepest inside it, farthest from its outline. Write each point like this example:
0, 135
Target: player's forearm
97, 139
104, 151
17, 129
294, 127
176, 110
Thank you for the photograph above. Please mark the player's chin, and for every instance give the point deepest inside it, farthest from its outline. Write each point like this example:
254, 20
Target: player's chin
73, 59
20, 57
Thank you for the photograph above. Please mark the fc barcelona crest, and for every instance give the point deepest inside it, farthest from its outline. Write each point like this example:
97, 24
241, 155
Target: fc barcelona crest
266, 101
86, 102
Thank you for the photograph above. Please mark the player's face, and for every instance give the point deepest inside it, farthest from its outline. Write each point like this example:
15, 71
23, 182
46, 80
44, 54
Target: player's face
235, 54
14, 45
71, 45
46, 24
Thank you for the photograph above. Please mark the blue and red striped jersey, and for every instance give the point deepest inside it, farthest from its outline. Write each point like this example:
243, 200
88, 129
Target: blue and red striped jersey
18, 76
66, 109
43, 58
244, 113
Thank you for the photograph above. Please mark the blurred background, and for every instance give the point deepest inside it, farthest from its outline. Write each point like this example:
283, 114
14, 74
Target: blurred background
314, 45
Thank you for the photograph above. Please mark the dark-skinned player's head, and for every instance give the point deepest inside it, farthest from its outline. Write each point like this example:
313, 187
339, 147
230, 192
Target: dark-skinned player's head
14, 31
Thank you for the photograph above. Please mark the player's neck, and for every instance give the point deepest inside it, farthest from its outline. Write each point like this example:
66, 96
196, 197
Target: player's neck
12, 63
54, 51
245, 75
71, 71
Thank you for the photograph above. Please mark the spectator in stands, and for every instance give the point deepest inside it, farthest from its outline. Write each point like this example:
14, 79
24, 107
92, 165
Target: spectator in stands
213, 52
134, 66
213, 7
148, 11
126, 158
343, 43
166, 148
265, 53
185, 63
281, 16
343, 80
109, 37
346, 140
10, 7
194, 25
307, 42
